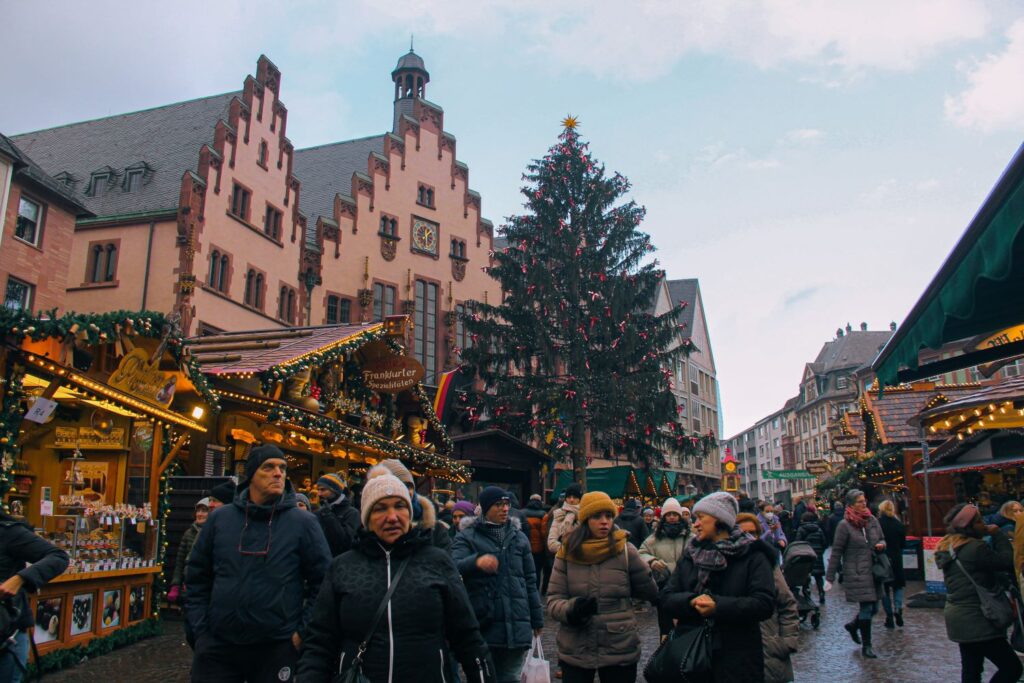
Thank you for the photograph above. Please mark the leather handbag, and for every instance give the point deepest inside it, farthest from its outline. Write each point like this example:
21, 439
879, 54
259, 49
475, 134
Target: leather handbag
881, 567
995, 605
354, 674
683, 658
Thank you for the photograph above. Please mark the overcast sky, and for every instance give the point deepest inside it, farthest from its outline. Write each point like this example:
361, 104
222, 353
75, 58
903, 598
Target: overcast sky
811, 162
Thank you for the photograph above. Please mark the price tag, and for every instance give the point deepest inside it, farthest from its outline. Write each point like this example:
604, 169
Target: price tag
46, 508
41, 410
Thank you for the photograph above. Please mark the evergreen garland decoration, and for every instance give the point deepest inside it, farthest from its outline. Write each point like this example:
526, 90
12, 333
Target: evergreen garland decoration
10, 419
856, 471
101, 328
574, 345
62, 659
160, 584
280, 373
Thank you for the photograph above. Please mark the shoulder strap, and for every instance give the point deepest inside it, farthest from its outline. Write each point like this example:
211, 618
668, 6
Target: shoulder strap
380, 612
963, 570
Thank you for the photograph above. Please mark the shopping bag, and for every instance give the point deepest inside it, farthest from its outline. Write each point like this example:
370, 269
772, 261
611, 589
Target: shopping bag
536, 669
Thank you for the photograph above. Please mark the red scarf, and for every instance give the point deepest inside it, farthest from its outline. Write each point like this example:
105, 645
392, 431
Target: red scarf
858, 520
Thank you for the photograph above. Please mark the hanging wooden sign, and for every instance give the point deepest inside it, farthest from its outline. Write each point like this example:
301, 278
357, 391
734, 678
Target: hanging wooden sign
135, 375
86, 438
392, 374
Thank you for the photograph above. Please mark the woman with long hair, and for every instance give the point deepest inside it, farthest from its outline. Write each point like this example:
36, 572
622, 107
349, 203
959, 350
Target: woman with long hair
895, 535
427, 616
858, 537
595, 577
965, 560
724, 575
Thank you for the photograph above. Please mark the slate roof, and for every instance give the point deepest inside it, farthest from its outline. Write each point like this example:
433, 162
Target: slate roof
224, 356
853, 350
894, 410
684, 291
326, 170
166, 138
26, 168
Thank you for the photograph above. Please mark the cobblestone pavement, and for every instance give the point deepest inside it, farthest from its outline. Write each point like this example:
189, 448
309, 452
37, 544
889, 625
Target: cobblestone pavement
918, 653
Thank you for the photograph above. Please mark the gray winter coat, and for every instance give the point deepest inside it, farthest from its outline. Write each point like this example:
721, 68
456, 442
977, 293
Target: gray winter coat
611, 637
856, 547
507, 604
780, 634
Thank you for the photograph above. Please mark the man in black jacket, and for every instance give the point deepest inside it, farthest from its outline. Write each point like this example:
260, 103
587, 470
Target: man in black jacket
338, 519
252, 576
632, 523
27, 563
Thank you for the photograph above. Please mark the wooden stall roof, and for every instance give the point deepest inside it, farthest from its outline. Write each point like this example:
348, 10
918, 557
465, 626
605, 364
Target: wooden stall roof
261, 350
890, 414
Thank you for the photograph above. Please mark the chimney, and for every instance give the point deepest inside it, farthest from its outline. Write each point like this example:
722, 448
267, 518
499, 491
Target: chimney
863, 327
892, 326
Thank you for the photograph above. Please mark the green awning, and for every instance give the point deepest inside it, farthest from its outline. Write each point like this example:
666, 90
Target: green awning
611, 480
671, 477
978, 290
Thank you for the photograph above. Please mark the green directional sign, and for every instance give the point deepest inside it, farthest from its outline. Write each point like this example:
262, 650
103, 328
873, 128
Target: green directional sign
788, 474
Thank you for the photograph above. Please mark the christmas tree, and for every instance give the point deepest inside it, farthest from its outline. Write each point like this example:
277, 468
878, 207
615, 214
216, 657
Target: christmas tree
573, 349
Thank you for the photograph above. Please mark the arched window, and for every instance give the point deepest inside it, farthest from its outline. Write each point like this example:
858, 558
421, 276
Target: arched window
214, 269
291, 306
257, 297
222, 276
430, 197
111, 263
394, 226
97, 264
263, 153
421, 195
282, 304
250, 286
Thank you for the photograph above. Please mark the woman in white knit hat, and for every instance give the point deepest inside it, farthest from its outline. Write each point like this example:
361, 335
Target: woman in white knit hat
724, 575
427, 616
663, 548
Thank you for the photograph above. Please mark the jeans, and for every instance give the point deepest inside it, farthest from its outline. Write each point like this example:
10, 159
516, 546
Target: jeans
217, 661
868, 610
608, 674
508, 664
540, 562
10, 672
896, 603
998, 651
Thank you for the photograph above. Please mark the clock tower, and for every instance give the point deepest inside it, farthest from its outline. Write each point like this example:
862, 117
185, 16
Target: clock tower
410, 78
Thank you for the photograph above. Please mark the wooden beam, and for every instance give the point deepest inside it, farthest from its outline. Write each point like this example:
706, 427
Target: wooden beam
222, 358
154, 476
240, 346
195, 342
966, 360
178, 445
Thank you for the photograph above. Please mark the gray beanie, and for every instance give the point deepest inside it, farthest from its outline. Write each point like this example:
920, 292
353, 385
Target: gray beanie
720, 505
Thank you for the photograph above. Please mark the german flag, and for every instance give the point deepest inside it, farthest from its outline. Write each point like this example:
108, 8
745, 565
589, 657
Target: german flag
448, 385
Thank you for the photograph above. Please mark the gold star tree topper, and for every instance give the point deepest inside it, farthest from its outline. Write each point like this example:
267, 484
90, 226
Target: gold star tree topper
570, 122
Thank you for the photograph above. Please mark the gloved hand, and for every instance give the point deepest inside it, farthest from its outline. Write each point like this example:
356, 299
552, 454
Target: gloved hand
582, 611
173, 594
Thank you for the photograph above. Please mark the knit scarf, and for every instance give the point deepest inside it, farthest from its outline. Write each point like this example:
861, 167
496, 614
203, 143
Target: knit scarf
713, 556
857, 519
596, 550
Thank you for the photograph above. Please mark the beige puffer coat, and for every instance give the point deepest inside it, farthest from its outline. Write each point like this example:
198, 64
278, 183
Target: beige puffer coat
611, 637
780, 634
563, 520
666, 549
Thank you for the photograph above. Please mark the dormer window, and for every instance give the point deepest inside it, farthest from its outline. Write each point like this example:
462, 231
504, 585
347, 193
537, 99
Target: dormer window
425, 195
133, 180
98, 184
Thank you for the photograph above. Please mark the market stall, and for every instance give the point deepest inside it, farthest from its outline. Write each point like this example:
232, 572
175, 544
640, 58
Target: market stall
95, 410
333, 398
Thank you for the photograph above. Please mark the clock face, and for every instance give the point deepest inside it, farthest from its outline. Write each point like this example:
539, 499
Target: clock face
424, 236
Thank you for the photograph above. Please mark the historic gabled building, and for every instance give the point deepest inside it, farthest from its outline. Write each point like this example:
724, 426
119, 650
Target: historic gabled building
400, 228
205, 208
38, 223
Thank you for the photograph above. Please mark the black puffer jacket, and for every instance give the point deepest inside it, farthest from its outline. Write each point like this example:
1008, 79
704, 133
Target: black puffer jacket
254, 571
429, 615
633, 523
744, 595
34, 559
340, 522
895, 535
815, 537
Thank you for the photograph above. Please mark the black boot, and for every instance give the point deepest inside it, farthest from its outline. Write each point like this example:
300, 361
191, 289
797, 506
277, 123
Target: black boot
865, 634
851, 628
899, 618
888, 621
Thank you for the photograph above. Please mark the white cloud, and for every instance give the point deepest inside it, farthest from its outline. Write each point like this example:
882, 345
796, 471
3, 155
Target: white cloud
994, 98
763, 164
803, 135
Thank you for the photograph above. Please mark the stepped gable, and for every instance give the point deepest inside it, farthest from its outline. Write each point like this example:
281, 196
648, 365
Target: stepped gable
164, 141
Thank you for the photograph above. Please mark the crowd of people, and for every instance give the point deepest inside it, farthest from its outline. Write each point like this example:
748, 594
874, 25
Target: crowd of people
388, 585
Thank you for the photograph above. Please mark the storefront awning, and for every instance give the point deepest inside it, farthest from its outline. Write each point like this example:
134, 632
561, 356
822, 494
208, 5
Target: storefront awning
976, 291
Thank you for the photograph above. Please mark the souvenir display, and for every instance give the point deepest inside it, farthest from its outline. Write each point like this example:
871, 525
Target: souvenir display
111, 615
136, 603
81, 613
48, 620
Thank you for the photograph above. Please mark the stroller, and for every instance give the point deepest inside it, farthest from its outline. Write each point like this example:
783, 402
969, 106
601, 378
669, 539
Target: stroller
798, 560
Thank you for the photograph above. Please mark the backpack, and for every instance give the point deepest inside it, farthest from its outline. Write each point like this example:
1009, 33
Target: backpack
538, 539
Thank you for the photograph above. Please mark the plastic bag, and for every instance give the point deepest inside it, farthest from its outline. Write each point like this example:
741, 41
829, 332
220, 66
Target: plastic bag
536, 669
